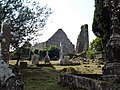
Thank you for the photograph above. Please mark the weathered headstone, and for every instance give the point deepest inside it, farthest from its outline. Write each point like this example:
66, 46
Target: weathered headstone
67, 60
35, 59
82, 41
111, 70
100, 56
47, 58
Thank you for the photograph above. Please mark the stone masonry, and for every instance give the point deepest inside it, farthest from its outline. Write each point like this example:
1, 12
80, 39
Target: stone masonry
82, 40
111, 70
75, 82
58, 37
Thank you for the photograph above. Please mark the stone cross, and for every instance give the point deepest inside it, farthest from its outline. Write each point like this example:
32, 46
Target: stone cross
7, 39
8, 79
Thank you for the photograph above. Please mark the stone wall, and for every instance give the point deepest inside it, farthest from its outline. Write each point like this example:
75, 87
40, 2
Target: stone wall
40, 46
58, 37
78, 82
82, 40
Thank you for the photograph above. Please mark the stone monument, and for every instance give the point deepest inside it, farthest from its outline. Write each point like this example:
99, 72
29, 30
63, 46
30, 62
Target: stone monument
9, 38
47, 58
61, 60
67, 60
8, 79
111, 70
35, 58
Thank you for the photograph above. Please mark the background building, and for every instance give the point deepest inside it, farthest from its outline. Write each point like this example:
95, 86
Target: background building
56, 39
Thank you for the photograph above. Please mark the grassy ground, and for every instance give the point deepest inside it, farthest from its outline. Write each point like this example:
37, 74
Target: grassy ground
83, 69
91, 68
47, 78
42, 79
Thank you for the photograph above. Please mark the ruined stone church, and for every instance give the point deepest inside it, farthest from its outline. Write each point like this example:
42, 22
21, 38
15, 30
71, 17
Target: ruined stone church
83, 41
56, 39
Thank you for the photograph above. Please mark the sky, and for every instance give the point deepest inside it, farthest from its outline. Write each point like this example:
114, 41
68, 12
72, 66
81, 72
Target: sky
69, 15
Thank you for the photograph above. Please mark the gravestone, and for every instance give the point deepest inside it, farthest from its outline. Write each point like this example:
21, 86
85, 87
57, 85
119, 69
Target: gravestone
111, 70
100, 57
47, 58
35, 59
67, 60
82, 41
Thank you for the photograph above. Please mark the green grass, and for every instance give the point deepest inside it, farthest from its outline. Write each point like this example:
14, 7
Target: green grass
42, 79
47, 78
81, 69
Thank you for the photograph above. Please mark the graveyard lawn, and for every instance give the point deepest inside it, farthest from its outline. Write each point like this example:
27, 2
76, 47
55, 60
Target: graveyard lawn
46, 78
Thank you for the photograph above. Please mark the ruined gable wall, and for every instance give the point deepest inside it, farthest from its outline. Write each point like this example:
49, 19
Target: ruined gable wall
83, 40
58, 37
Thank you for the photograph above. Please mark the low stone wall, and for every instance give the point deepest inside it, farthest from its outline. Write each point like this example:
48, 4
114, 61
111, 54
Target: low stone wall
78, 82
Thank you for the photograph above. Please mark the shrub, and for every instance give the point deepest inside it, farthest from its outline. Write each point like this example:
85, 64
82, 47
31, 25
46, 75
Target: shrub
54, 52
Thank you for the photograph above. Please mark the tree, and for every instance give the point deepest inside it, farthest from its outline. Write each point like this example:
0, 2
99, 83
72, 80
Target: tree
25, 50
101, 21
42, 53
36, 51
24, 17
53, 52
95, 46
90, 54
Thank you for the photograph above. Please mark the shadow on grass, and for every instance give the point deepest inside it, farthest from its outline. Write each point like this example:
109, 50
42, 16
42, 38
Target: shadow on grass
44, 78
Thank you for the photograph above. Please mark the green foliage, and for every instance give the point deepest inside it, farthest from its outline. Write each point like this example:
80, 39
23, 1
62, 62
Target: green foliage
23, 51
26, 17
101, 21
90, 54
42, 53
95, 46
36, 51
53, 52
